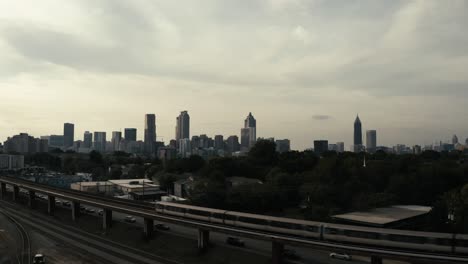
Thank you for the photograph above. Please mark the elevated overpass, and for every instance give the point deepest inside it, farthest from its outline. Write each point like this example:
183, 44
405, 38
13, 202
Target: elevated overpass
148, 213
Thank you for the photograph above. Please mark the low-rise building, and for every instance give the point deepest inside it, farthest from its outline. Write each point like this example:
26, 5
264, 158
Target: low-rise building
183, 187
398, 216
238, 181
103, 187
135, 185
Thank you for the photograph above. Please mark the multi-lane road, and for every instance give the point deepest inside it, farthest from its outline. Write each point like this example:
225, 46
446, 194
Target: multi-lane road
305, 255
252, 246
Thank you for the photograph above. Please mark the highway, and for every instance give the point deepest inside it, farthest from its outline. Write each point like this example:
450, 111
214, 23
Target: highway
129, 209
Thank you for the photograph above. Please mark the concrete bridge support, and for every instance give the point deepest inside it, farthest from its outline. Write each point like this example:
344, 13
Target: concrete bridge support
148, 228
2, 190
32, 199
15, 193
376, 260
75, 206
203, 239
107, 219
51, 205
277, 250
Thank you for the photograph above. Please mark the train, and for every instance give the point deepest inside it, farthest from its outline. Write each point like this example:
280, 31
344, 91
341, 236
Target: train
346, 234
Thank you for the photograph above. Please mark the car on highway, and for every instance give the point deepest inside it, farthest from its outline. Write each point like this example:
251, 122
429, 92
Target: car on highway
162, 227
66, 204
291, 254
342, 256
235, 241
39, 259
90, 210
101, 212
82, 208
130, 219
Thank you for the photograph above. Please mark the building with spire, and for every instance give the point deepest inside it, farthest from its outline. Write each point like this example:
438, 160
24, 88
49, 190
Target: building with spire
357, 143
249, 133
454, 140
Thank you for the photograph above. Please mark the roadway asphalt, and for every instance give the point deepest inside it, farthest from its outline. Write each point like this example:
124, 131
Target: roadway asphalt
307, 255
253, 246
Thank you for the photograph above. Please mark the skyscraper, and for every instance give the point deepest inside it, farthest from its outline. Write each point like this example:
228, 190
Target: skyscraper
100, 142
219, 142
371, 140
357, 146
250, 121
150, 133
283, 145
454, 140
232, 144
249, 133
320, 146
183, 126
340, 147
185, 148
87, 140
68, 135
116, 139
130, 134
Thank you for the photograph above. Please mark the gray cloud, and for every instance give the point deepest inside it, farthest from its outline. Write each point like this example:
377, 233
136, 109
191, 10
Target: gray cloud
281, 57
321, 117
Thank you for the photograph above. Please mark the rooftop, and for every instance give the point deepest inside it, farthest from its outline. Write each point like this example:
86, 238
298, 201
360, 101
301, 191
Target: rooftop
384, 216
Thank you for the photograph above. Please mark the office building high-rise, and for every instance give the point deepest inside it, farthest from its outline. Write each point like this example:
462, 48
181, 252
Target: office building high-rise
183, 126
245, 139
357, 131
116, 140
185, 148
87, 140
454, 140
250, 121
320, 146
283, 145
130, 134
357, 146
371, 140
219, 142
340, 147
68, 135
232, 144
100, 142
150, 133
249, 133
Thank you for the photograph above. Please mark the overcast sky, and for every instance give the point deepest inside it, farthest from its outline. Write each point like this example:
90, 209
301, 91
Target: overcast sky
303, 68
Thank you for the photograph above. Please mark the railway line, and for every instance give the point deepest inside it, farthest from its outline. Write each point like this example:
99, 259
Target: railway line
23, 255
110, 251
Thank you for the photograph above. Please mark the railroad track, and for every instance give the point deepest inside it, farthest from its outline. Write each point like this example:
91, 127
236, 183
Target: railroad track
123, 253
24, 255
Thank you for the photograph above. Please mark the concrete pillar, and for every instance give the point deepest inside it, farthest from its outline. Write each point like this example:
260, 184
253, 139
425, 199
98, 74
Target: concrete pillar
277, 250
2, 190
149, 228
203, 239
15, 193
376, 260
51, 205
107, 219
32, 199
75, 206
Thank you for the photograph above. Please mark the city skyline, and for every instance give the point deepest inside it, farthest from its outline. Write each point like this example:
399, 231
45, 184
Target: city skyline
307, 65
132, 134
